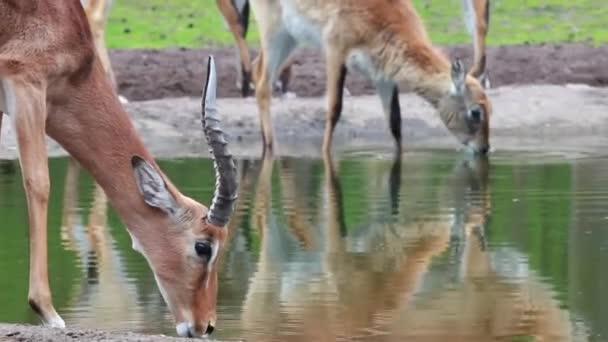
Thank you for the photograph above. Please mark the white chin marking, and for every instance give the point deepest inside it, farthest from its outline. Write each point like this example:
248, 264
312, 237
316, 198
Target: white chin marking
182, 329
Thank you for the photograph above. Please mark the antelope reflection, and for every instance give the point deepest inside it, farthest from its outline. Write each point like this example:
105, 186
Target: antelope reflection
381, 280
106, 291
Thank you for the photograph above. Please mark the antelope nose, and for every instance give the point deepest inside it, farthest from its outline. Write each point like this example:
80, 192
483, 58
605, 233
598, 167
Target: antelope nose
484, 149
210, 328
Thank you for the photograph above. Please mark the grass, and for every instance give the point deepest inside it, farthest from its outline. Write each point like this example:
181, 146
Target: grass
187, 23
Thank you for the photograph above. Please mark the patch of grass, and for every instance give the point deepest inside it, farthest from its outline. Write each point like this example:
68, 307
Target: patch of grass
523, 338
175, 23
187, 23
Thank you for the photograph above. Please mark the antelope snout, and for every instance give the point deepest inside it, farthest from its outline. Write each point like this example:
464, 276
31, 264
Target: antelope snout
481, 149
187, 329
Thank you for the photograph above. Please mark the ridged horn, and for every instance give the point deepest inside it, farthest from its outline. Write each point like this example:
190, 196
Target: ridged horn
226, 184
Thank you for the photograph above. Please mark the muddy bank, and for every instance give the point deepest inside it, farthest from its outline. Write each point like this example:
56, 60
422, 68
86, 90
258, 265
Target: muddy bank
20, 333
549, 117
153, 74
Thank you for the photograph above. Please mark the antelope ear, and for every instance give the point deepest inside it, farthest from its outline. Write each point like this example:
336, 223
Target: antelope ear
458, 77
152, 187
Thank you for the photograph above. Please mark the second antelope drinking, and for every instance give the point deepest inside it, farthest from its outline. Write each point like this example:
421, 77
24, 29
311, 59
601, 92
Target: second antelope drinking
384, 40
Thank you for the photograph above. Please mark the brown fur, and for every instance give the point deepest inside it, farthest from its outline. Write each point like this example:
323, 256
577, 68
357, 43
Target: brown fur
391, 34
50, 70
481, 13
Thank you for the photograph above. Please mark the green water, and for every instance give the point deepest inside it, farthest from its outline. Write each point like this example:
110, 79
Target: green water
431, 246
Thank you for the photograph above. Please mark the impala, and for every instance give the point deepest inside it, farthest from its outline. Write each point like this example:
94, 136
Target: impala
383, 39
52, 81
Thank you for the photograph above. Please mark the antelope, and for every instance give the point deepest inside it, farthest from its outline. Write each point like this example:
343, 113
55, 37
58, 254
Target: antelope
52, 81
386, 41
236, 14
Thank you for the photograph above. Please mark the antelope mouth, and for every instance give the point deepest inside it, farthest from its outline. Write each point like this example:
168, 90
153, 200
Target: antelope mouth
187, 329
477, 150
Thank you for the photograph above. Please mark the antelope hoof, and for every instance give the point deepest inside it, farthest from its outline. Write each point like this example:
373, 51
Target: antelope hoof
288, 95
347, 92
48, 315
56, 322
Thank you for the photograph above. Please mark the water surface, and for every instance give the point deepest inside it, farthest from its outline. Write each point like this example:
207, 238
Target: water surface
364, 247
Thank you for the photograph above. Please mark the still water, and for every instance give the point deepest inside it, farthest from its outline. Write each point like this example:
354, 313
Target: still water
430, 247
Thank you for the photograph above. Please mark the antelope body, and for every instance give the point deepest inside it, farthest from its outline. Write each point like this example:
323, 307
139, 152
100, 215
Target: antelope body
52, 82
383, 39
477, 19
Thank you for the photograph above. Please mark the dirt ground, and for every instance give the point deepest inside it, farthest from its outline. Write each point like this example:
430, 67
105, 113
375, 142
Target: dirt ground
22, 333
554, 118
154, 74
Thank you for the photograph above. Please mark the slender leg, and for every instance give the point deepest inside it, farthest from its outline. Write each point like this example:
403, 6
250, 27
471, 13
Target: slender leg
238, 22
273, 54
97, 12
28, 108
1, 115
389, 95
284, 78
336, 75
478, 23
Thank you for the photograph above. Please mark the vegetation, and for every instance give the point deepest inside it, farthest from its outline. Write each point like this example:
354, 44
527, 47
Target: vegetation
186, 23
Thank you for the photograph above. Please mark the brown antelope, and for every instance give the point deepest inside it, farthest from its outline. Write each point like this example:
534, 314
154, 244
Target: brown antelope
52, 82
236, 13
385, 40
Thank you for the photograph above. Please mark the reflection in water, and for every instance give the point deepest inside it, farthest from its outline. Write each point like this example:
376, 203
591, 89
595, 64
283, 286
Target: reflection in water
105, 290
420, 248
365, 285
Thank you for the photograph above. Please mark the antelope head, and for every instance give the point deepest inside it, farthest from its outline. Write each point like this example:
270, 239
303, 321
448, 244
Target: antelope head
466, 110
185, 260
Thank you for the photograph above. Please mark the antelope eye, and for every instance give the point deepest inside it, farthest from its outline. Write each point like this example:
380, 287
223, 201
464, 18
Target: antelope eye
203, 249
476, 114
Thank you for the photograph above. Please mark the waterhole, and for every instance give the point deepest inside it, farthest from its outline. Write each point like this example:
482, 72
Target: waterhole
432, 246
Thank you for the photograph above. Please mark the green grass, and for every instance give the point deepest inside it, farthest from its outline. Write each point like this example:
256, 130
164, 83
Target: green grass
188, 23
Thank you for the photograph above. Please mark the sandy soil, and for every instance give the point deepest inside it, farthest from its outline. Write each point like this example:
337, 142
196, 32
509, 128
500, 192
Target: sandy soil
571, 118
22, 333
154, 74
